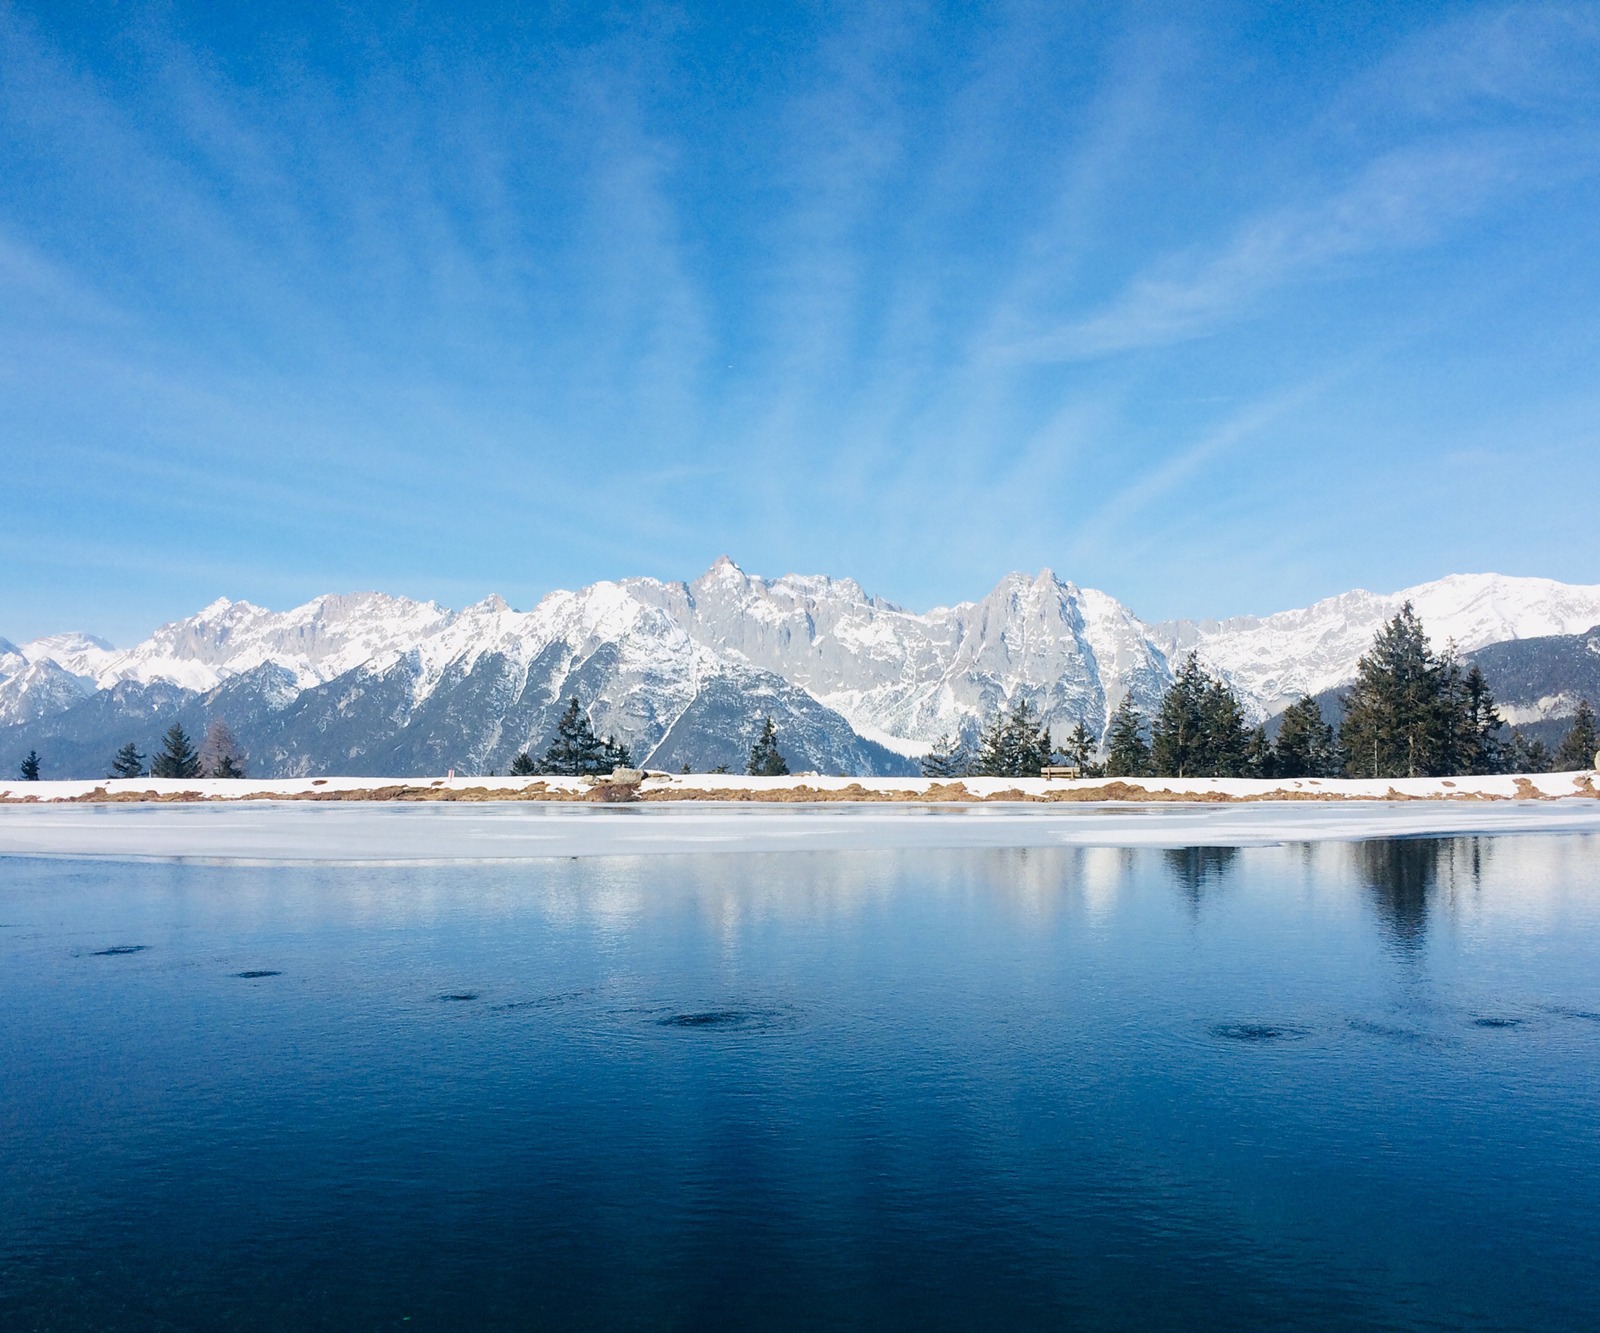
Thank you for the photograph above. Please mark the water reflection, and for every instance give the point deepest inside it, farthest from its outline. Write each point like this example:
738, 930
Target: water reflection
1400, 874
965, 1088
1195, 869
1403, 876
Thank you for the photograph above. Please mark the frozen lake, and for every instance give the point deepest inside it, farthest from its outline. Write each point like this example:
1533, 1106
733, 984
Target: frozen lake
1318, 1084
271, 831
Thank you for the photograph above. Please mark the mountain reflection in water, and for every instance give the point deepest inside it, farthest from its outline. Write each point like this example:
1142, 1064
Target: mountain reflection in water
1319, 1085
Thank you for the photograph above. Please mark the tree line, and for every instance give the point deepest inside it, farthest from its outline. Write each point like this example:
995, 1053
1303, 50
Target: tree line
577, 751
1411, 712
218, 756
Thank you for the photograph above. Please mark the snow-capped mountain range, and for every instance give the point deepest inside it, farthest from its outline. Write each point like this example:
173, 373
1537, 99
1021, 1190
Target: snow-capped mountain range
684, 671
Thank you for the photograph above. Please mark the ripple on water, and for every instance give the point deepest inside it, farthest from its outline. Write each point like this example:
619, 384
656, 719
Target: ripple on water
117, 950
258, 972
726, 1020
1497, 1021
1562, 1011
1387, 1030
1258, 1034
460, 995
543, 1001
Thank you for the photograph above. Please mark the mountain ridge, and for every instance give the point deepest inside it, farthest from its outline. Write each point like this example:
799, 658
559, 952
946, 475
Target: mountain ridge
856, 679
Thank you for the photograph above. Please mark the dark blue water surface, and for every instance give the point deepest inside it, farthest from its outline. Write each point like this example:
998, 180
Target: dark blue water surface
1346, 1086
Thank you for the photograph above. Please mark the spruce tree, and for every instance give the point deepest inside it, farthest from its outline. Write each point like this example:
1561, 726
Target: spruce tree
947, 759
765, 761
614, 754
1305, 747
1469, 723
1395, 721
127, 763
1578, 746
1127, 753
177, 758
992, 757
1528, 756
523, 766
1178, 736
1079, 747
1259, 761
1226, 741
576, 751
1015, 744
30, 767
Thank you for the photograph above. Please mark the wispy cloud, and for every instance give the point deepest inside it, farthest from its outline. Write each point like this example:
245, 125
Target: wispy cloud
912, 292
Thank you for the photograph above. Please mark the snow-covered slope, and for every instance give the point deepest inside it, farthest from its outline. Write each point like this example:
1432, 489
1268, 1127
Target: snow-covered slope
1273, 659
364, 680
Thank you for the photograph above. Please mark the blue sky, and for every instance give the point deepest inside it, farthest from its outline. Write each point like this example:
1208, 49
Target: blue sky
1221, 308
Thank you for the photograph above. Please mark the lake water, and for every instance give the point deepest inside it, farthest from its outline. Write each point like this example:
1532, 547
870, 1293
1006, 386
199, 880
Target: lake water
1331, 1085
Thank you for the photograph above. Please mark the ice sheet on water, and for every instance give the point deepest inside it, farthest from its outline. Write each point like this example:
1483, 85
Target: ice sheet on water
384, 832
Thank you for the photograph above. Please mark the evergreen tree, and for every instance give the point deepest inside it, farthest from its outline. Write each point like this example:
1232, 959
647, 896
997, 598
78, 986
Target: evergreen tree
1528, 756
177, 758
1200, 729
1259, 761
219, 753
523, 766
576, 751
614, 754
1305, 747
947, 759
1578, 746
765, 761
1226, 743
30, 767
1080, 746
1127, 754
127, 763
1396, 721
1178, 736
992, 759
1014, 744
1470, 723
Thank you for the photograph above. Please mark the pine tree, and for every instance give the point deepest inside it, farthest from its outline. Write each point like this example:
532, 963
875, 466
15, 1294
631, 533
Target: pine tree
177, 758
765, 761
127, 763
1015, 744
1080, 746
523, 766
1259, 761
1178, 736
1226, 742
1127, 753
614, 754
992, 758
219, 753
947, 759
1528, 756
576, 751
1470, 723
30, 767
1305, 747
1396, 723
1578, 746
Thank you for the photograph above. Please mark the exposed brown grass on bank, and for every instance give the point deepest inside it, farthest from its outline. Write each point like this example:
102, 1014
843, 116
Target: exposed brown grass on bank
935, 793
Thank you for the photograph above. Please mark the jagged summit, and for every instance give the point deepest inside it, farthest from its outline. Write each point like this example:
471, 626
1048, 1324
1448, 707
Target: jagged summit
369, 679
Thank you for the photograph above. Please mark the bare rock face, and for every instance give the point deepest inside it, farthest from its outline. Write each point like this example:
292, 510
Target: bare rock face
685, 673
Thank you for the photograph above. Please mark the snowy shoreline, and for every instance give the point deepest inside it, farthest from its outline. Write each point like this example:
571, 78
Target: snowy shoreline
462, 821
804, 789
